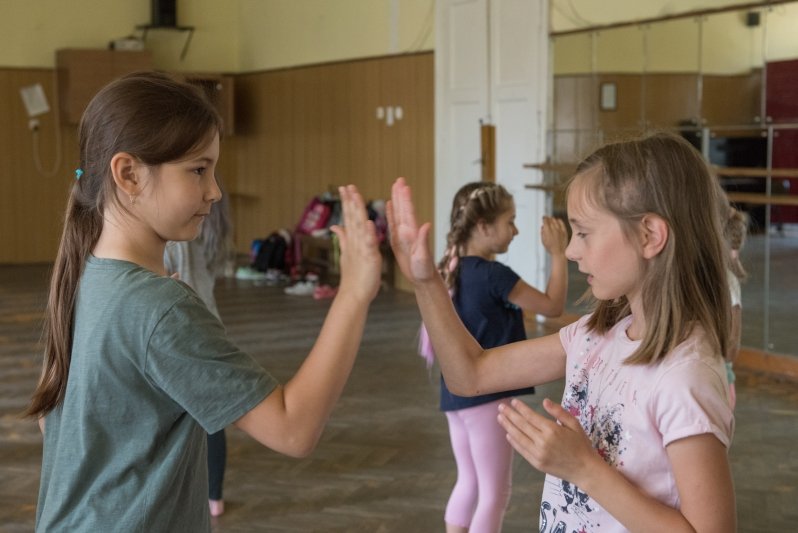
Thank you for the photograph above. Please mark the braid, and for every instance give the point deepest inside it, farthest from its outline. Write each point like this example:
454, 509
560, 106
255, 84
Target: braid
474, 202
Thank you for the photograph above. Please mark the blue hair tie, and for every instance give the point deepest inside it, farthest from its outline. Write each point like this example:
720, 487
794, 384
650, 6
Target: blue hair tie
78, 173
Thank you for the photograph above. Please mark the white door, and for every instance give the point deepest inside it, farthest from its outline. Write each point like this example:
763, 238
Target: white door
491, 65
461, 102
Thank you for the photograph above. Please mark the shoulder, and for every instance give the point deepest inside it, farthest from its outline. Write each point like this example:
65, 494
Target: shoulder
578, 328
487, 270
133, 286
690, 392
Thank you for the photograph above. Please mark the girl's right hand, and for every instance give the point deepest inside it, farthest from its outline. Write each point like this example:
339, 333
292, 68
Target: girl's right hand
554, 235
409, 241
361, 261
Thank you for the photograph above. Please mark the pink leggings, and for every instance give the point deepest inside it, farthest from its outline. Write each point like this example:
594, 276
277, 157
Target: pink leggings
484, 469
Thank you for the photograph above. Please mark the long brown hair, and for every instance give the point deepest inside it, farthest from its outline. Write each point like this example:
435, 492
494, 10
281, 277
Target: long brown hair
155, 119
474, 202
685, 284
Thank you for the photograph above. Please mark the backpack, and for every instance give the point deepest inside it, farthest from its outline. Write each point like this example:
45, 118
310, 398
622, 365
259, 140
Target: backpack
314, 217
271, 254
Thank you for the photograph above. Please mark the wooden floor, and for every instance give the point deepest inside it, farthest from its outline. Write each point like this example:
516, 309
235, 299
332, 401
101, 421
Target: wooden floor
384, 463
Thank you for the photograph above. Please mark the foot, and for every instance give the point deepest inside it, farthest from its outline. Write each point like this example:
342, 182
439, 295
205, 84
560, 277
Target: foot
217, 507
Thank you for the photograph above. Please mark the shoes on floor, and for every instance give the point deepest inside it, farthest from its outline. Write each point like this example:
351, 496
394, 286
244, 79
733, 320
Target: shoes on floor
323, 292
245, 272
216, 507
301, 288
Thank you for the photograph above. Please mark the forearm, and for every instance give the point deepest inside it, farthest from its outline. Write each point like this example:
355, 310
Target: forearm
637, 511
311, 395
557, 287
455, 348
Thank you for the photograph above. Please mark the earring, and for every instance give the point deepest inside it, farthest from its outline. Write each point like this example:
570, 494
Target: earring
132, 199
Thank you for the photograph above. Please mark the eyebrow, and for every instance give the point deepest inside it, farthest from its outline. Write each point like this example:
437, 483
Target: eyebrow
576, 222
201, 160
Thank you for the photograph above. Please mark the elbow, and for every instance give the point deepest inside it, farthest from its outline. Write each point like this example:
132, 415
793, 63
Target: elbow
300, 446
554, 310
463, 389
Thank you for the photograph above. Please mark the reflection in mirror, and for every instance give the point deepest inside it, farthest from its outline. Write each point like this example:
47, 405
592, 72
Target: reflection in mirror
725, 79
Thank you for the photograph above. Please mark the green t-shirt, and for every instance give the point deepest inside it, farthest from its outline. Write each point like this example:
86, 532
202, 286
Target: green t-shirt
151, 371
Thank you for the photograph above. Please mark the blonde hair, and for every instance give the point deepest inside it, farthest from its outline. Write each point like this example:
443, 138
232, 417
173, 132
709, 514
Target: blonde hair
685, 284
473, 202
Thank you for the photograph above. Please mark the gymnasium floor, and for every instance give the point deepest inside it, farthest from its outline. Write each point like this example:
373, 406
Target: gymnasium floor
384, 462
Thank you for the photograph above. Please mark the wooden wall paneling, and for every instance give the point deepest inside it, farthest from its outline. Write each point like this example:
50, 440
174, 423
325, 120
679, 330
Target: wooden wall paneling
396, 80
366, 130
731, 100
278, 172
629, 98
84, 71
32, 203
340, 125
423, 134
303, 130
670, 98
565, 102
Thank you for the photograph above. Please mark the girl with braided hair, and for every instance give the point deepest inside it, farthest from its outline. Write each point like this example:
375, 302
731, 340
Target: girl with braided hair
490, 299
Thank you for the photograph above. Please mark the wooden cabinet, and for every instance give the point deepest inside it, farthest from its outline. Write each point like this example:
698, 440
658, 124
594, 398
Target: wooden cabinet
219, 89
83, 72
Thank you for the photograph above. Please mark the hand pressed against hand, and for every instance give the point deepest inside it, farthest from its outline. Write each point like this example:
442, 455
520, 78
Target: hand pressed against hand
361, 261
409, 241
554, 235
561, 449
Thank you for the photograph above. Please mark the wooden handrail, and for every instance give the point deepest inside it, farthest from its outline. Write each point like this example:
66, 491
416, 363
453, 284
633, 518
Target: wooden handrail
762, 199
559, 168
734, 172
755, 172
567, 169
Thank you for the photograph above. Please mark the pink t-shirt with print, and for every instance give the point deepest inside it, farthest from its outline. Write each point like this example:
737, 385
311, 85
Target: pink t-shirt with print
631, 413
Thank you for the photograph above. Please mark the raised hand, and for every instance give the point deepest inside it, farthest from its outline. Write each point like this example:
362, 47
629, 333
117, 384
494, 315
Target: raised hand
554, 235
361, 261
410, 243
556, 446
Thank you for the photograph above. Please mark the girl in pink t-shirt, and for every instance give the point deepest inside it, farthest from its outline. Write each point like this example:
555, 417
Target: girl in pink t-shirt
640, 440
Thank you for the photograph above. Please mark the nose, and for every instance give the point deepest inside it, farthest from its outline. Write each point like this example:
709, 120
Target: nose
214, 192
571, 250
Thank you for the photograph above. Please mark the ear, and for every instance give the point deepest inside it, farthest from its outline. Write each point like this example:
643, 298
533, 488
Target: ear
126, 170
482, 226
654, 235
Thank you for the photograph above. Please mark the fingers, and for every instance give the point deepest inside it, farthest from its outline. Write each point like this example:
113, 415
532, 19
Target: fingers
561, 415
554, 234
356, 224
402, 204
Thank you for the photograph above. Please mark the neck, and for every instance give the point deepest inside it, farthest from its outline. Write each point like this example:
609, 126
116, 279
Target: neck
637, 329
475, 248
122, 238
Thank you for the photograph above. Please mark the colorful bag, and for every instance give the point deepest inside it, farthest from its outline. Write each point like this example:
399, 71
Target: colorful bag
314, 217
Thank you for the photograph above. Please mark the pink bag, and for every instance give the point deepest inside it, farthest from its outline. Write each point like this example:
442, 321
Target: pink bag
314, 217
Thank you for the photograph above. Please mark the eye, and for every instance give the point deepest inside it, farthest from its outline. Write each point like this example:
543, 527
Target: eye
581, 235
199, 171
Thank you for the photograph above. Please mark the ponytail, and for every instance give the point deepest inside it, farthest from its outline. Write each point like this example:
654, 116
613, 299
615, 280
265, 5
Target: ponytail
82, 228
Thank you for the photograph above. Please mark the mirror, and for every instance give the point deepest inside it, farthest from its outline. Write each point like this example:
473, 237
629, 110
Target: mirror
724, 79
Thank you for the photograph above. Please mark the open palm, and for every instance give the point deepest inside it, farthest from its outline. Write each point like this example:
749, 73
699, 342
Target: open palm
409, 241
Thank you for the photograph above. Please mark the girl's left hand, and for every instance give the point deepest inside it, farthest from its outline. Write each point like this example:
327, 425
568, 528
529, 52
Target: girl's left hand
558, 447
554, 235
